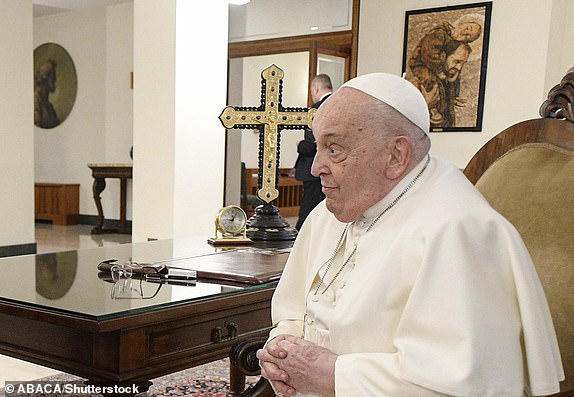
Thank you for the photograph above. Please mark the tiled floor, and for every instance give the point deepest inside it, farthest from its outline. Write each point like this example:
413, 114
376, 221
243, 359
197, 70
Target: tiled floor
53, 238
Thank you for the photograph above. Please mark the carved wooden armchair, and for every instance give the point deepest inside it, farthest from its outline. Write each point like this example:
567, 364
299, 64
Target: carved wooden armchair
243, 362
527, 174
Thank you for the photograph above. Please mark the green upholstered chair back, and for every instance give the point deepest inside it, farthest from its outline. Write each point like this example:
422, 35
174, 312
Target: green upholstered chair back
527, 174
533, 187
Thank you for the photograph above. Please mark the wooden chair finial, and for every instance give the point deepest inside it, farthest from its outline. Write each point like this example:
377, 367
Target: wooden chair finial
559, 104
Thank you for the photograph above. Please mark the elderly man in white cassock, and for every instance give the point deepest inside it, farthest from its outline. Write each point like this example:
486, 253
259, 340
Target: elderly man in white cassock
404, 281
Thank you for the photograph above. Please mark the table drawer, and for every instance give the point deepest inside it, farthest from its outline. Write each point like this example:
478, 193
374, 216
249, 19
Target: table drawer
207, 333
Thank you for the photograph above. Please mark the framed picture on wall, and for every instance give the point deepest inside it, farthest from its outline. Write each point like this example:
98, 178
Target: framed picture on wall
445, 53
55, 85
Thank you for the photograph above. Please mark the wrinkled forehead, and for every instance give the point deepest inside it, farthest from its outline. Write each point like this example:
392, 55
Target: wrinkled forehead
350, 101
345, 106
351, 116
351, 106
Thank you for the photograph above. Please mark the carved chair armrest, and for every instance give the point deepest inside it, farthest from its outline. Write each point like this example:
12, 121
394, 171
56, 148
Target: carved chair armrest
564, 392
243, 362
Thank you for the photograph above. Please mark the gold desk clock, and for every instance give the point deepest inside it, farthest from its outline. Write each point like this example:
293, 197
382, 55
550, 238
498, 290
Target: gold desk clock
231, 222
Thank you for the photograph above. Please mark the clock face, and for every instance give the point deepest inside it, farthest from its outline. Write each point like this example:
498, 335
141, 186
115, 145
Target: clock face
232, 219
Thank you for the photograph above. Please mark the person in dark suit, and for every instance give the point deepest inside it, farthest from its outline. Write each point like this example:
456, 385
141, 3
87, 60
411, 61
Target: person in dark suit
321, 89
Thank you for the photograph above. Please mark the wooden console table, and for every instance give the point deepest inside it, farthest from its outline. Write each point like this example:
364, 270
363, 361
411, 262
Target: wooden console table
100, 172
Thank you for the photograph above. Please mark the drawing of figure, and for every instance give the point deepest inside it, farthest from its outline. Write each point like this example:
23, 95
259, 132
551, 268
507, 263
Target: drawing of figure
45, 84
436, 63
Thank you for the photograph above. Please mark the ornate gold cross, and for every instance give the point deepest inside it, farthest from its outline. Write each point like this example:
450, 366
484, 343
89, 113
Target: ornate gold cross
269, 118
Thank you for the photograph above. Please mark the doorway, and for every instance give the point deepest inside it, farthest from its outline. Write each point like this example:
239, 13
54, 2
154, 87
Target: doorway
333, 53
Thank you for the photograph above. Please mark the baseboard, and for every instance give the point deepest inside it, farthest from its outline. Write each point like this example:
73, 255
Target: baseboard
18, 249
93, 221
108, 223
88, 219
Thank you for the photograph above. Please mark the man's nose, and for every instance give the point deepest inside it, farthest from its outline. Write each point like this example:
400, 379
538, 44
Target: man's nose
316, 166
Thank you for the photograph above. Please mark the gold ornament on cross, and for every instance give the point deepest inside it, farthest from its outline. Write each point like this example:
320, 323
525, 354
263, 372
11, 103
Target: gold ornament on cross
269, 118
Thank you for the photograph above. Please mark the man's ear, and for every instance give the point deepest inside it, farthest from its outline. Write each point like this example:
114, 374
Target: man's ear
400, 156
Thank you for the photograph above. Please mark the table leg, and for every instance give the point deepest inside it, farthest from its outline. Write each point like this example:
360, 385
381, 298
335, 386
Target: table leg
97, 188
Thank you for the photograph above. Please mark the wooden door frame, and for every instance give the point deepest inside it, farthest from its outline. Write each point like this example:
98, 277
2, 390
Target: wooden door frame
343, 43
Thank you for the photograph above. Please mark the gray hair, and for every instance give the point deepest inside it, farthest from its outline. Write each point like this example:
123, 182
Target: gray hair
323, 81
391, 122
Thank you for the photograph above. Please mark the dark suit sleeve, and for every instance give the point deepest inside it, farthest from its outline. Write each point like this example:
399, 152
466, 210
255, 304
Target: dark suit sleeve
307, 147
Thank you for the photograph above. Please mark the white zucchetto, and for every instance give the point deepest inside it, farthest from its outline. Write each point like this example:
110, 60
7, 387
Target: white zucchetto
397, 92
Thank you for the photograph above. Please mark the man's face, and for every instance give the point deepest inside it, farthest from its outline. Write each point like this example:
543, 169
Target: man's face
351, 155
455, 62
468, 32
315, 92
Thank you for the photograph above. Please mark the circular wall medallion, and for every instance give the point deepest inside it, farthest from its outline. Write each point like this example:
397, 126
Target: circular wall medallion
55, 85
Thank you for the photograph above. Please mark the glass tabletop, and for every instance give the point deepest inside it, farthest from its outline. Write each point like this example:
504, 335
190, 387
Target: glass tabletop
70, 282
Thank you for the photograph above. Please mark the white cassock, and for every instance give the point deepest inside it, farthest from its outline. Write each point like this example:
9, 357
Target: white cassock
440, 298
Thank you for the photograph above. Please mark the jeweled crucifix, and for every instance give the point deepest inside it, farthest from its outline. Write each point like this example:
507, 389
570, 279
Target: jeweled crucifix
269, 118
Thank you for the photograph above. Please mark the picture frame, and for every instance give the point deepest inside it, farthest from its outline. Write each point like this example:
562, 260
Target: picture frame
445, 53
55, 85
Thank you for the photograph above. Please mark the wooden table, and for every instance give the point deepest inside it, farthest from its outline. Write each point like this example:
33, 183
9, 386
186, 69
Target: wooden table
100, 172
76, 326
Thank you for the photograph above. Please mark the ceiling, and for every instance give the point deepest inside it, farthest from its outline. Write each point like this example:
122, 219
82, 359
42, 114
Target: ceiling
50, 7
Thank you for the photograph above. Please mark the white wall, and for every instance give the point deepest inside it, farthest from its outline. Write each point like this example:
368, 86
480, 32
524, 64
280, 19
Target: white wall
154, 123
524, 60
62, 153
119, 103
233, 140
201, 92
179, 143
99, 127
560, 56
119, 94
265, 19
16, 124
